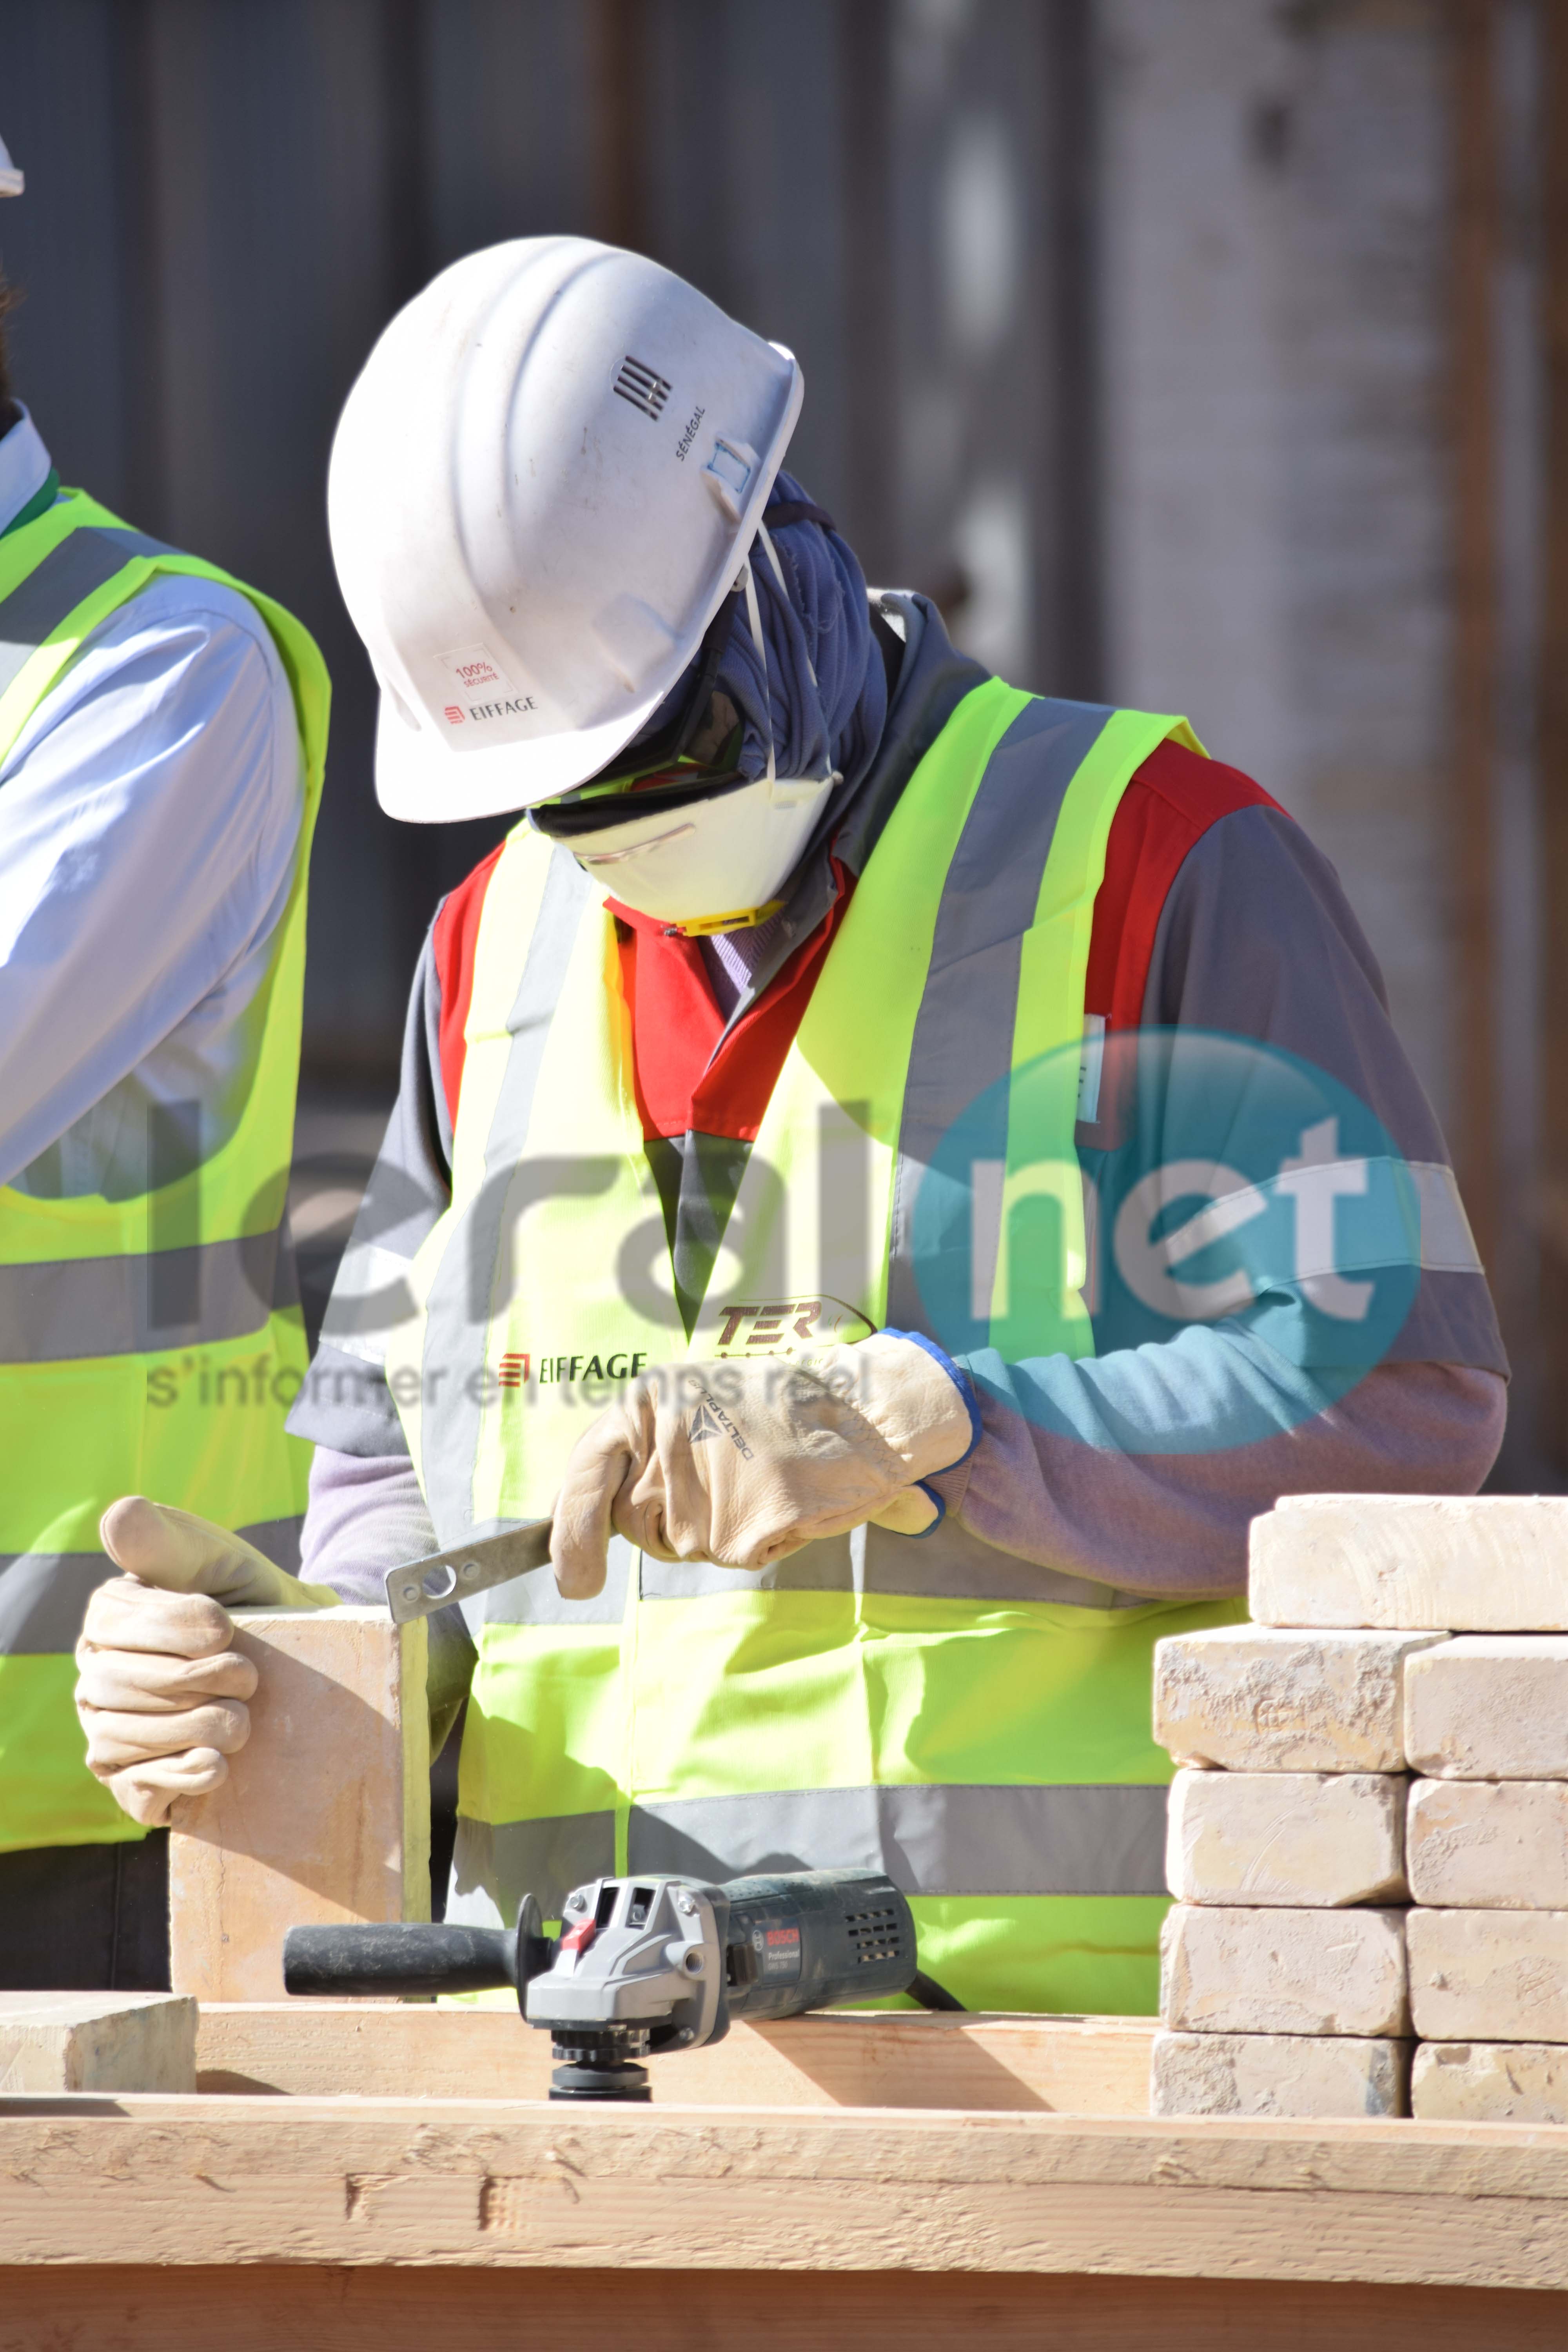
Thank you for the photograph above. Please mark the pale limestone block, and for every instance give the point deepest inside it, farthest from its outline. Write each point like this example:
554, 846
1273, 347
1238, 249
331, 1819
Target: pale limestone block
97, 2042
1482, 1564
1489, 1707
1303, 1839
1311, 2075
1489, 2083
1492, 1845
325, 1814
1254, 1698
1262, 1971
1488, 1976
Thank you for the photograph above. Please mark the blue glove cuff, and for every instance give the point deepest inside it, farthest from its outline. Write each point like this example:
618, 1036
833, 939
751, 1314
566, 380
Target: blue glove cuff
961, 1382
930, 1492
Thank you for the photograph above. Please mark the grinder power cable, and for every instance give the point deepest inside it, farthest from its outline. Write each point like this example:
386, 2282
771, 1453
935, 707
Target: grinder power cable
645, 1963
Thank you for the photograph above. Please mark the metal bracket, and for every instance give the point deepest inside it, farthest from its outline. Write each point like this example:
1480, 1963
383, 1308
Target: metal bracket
420, 1587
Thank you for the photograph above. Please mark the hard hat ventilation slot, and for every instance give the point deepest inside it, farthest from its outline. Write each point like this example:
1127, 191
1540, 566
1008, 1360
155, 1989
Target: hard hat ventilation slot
729, 473
643, 387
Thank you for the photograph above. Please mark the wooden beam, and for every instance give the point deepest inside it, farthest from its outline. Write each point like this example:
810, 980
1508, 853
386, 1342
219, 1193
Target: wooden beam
97, 2042
1474, 818
498, 2183
900, 2059
478, 2310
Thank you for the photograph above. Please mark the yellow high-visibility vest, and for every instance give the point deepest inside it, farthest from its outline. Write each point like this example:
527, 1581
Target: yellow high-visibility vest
149, 1344
975, 1725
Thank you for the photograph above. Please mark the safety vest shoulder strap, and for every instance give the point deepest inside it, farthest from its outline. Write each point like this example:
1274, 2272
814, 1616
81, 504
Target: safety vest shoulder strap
65, 572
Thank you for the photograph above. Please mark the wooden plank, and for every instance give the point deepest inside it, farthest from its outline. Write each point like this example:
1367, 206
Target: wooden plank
325, 2049
97, 2042
147, 2310
362, 2182
325, 1814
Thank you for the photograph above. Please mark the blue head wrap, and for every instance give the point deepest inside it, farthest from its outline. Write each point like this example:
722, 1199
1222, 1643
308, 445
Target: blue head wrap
819, 621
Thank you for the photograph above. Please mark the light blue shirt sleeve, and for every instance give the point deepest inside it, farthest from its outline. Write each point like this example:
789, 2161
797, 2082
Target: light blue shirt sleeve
149, 818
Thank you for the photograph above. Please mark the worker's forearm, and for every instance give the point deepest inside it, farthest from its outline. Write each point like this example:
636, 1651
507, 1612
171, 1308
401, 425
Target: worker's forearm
1153, 1522
365, 1516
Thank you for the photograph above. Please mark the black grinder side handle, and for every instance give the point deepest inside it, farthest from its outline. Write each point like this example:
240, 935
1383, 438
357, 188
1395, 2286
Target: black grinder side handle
356, 1962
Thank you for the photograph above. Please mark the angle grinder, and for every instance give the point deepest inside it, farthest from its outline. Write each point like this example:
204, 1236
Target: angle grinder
644, 1964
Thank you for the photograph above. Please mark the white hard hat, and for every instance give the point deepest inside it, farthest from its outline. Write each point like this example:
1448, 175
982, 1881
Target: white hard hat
542, 487
11, 181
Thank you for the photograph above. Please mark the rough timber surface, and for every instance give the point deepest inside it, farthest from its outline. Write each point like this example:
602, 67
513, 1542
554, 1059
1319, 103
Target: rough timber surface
123, 2214
97, 2042
1089, 2065
510, 2185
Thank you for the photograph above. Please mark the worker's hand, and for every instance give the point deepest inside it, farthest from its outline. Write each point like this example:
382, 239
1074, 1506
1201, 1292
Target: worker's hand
743, 1462
162, 1691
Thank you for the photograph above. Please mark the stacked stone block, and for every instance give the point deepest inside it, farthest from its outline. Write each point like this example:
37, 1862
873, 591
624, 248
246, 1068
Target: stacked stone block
1369, 1824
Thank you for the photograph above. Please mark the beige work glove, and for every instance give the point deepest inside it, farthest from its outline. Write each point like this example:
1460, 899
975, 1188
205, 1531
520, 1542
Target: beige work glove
741, 1463
161, 1691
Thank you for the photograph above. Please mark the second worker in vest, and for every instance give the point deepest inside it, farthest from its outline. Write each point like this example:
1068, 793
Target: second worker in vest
795, 1114
162, 730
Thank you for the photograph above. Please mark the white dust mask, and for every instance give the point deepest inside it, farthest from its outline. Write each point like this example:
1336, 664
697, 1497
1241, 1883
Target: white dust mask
720, 863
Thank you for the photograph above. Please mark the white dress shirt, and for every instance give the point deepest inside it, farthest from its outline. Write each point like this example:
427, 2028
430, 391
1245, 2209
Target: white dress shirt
150, 813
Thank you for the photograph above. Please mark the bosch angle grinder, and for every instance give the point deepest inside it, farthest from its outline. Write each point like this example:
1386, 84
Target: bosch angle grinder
644, 1964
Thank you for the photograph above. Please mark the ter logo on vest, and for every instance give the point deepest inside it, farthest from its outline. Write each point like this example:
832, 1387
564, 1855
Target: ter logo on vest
789, 1326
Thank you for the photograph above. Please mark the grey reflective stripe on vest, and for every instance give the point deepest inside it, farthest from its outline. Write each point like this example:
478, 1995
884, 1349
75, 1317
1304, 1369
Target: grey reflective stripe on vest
64, 1309
962, 1040
949, 1565
493, 1867
131, 543
72, 572
954, 1840
44, 1594
51, 591
449, 1442
953, 1565
534, 1599
957, 1839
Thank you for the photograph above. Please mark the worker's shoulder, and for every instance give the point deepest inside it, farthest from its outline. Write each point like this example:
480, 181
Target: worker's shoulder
196, 631
189, 600
1191, 792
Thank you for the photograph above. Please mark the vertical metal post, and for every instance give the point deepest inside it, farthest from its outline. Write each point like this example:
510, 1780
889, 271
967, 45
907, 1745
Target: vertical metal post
139, 231
1551, 751
872, 398
619, 67
1475, 233
1070, 653
409, 251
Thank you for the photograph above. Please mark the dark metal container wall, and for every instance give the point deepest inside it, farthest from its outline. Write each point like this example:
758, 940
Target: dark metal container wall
227, 199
